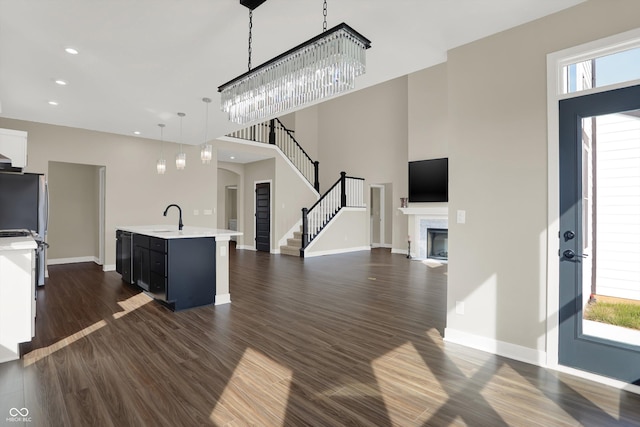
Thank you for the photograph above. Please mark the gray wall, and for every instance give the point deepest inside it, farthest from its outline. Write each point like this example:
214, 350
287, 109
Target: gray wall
135, 193
73, 211
496, 107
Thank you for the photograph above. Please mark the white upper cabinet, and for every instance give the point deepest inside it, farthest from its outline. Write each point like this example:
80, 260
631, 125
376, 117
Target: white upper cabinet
13, 144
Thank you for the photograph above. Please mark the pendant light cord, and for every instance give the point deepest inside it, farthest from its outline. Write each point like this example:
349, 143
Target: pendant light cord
324, 13
250, 39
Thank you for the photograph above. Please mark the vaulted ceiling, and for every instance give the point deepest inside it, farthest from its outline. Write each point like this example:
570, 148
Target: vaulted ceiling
142, 61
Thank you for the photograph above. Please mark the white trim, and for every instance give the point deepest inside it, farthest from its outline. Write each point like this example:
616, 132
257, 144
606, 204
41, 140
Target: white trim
382, 208
383, 245
399, 251
501, 348
621, 385
245, 247
221, 299
109, 267
101, 213
555, 92
73, 260
436, 212
336, 251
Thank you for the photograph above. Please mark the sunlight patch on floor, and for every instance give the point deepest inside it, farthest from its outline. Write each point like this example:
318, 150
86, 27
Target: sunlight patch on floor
128, 305
41, 353
508, 381
266, 392
401, 379
131, 304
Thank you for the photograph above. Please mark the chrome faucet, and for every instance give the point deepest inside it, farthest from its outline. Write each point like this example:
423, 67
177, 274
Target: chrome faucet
180, 210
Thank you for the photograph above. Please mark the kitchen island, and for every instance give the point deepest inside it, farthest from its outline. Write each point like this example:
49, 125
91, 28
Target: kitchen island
180, 268
17, 294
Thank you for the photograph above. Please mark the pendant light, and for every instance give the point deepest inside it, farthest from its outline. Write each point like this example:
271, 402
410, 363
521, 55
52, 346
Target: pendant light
206, 151
181, 157
161, 165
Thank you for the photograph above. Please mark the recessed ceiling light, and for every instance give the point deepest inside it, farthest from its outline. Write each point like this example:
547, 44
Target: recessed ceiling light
71, 50
137, 132
53, 102
61, 82
232, 157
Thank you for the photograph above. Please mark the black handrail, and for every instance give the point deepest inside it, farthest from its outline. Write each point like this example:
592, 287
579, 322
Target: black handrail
326, 192
293, 138
316, 164
305, 211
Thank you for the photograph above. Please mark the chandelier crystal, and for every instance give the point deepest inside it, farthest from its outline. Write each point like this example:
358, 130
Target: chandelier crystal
319, 68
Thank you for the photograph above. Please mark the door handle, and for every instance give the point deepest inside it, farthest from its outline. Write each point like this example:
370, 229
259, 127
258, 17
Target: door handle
569, 254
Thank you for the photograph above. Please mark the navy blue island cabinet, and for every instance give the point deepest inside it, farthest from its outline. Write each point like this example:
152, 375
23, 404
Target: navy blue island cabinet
179, 272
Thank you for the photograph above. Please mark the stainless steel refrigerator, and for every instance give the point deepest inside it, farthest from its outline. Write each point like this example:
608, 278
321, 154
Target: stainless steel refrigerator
24, 208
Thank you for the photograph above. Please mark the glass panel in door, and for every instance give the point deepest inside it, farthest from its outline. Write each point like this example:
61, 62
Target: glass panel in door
600, 233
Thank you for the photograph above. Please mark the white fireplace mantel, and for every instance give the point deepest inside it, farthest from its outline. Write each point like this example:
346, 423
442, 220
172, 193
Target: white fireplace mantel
430, 212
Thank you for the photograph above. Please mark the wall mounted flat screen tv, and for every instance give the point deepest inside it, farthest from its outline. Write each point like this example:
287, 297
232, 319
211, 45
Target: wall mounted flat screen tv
429, 180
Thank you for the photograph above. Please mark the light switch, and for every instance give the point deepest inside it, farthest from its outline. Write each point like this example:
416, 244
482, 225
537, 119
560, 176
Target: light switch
207, 212
461, 217
459, 307
223, 251
196, 212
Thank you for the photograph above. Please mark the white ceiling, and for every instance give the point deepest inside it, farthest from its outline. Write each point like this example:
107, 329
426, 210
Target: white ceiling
142, 61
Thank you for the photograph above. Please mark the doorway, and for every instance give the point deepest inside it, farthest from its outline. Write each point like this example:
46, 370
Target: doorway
76, 231
599, 228
377, 216
231, 208
263, 216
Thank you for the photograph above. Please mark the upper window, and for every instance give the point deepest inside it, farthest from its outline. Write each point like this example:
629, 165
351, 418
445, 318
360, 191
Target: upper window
605, 70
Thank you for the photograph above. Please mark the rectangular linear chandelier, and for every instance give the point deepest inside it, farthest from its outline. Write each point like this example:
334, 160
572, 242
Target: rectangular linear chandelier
319, 68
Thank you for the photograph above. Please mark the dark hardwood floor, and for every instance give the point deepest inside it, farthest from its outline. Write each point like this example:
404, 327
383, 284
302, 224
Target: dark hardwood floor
352, 339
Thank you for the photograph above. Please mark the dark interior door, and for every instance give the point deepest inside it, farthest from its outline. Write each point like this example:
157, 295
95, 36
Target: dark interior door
596, 130
263, 217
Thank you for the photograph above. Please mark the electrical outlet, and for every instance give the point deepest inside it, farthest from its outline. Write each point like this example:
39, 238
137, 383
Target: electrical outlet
461, 217
196, 212
459, 307
207, 212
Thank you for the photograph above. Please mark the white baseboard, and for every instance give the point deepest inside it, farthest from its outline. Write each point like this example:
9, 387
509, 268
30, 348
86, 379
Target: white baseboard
246, 247
222, 299
621, 385
381, 245
399, 251
336, 251
501, 348
109, 267
72, 260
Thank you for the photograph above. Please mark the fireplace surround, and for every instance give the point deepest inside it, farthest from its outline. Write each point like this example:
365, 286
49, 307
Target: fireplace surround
421, 220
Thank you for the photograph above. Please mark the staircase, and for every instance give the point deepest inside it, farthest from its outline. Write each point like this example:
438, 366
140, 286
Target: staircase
293, 245
346, 192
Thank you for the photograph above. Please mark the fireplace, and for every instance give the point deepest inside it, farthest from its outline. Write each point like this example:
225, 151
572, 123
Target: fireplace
437, 243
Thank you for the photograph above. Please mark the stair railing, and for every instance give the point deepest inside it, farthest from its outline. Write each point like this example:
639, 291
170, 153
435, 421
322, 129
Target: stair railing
346, 192
274, 132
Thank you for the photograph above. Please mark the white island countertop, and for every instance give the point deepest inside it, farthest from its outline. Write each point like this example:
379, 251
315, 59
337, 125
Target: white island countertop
187, 232
17, 243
